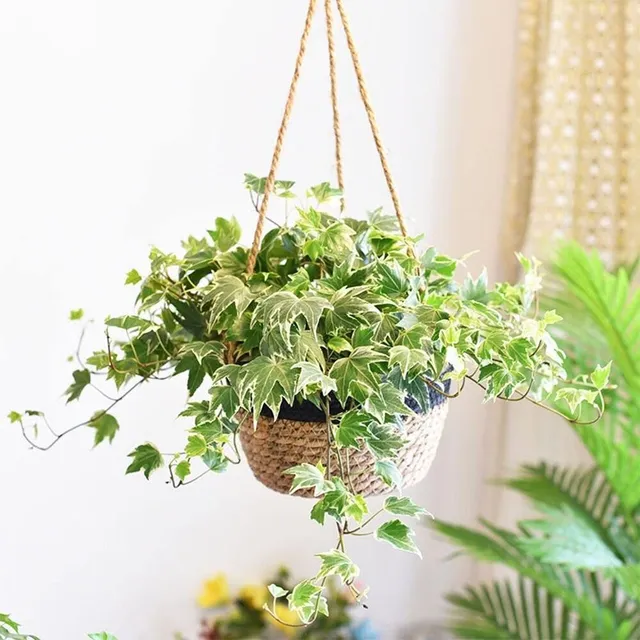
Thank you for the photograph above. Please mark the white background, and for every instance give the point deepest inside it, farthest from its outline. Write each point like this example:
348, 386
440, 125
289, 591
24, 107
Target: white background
126, 124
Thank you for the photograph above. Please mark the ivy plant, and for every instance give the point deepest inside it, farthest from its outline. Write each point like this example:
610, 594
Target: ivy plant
338, 310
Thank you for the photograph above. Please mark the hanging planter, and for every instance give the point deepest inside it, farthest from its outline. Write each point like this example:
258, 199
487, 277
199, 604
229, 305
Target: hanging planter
330, 349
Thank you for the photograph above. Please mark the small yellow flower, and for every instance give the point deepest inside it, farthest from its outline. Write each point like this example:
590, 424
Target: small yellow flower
255, 595
215, 592
287, 617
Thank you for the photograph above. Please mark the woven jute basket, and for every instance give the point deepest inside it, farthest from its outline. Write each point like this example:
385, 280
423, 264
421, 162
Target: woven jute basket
274, 446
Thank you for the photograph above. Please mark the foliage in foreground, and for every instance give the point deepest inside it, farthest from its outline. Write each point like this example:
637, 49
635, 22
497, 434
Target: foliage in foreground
10, 630
242, 615
578, 565
337, 310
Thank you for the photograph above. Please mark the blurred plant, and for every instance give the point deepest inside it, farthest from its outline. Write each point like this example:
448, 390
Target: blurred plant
578, 565
245, 616
10, 630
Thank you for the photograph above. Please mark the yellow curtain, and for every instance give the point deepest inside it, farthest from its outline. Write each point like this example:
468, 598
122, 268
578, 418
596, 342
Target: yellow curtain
575, 171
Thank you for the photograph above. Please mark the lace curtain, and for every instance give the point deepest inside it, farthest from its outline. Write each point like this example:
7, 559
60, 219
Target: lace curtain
575, 171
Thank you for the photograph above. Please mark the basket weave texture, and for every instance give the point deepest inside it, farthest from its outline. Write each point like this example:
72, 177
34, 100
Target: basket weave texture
274, 446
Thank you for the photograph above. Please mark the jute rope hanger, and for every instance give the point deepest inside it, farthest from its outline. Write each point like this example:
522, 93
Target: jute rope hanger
364, 94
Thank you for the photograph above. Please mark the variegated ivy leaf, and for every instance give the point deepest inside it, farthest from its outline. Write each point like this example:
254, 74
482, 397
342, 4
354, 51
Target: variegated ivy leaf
398, 535
267, 382
600, 377
204, 350
389, 473
276, 591
384, 441
308, 476
106, 427
339, 503
388, 401
350, 310
354, 425
403, 507
575, 397
146, 458
356, 368
224, 292
337, 563
306, 600
311, 375
337, 240
392, 279
409, 359
280, 310
81, 379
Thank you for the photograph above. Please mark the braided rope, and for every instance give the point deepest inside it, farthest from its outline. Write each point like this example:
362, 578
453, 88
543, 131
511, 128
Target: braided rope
275, 161
372, 117
334, 99
364, 94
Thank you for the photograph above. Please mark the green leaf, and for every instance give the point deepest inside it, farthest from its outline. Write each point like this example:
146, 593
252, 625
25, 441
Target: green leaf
267, 381
224, 292
393, 279
338, 503
600, 377
81, 379
389, 473
14, 417
311, 375
128, 322
279, 311
350, 310
307, 476
196, 446
183, 469
146, 458
567, 539
398, 535
133, 277
106, 427
102, 636
407, 359
629, 578
403, 507
305, 599
6, 619
337, 563
324, 192
354, 425
276, 591
255, 184
356, 368
314, 249
215, 460
226, 234
475, 289
223, 398
339, 344
388, 401
76, 314
384, 441
575, 397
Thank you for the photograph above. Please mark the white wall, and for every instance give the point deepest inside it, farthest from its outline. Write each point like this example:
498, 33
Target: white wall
126, 124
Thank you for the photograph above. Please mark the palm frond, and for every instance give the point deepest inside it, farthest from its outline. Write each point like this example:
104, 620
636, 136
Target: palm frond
519, 611
588, 499
504, 547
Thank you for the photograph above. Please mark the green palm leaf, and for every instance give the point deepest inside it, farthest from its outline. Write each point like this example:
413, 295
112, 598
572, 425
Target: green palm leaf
498, 610
588, 499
